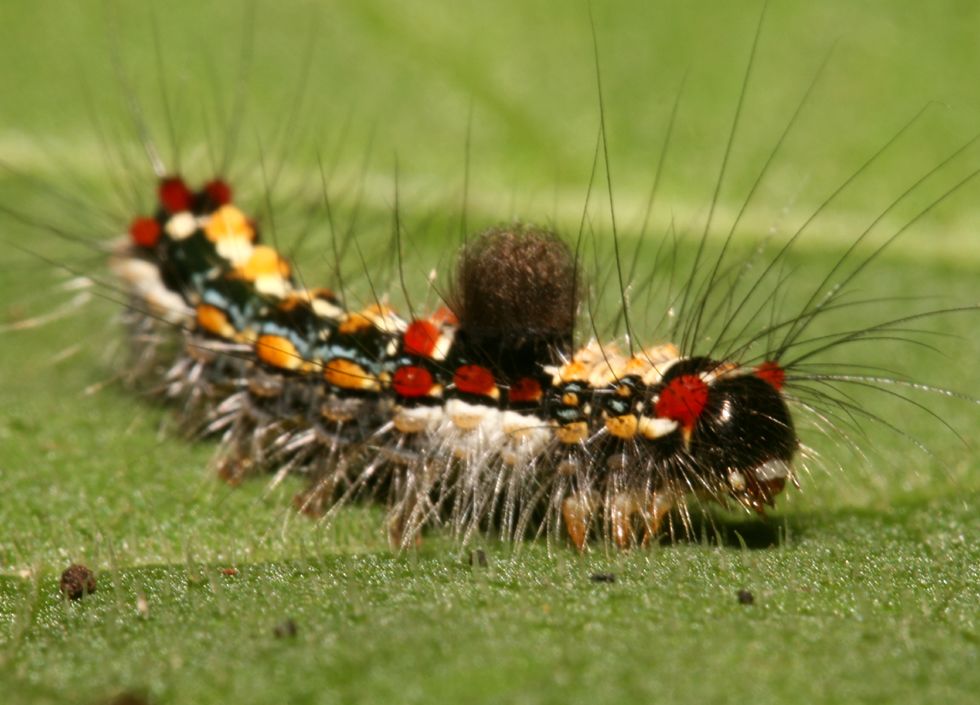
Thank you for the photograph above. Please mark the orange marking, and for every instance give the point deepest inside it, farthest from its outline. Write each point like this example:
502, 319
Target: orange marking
214, 320
355, 323
278, 352
346, 374
443, 316
574, 372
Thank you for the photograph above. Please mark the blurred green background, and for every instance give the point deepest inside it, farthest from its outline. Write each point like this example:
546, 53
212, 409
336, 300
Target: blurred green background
865, 582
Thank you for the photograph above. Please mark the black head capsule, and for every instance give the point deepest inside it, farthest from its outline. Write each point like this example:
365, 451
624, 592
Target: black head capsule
744, 435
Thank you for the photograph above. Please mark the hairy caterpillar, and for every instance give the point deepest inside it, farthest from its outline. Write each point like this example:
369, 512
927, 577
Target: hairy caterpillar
463, 466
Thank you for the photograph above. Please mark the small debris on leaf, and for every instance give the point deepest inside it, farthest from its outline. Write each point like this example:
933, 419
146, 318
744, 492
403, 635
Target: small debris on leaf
603, 577
285, 629
77, 581
745, 597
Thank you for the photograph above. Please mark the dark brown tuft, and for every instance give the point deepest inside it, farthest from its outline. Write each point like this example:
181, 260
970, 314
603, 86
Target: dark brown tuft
77, 581
515, 283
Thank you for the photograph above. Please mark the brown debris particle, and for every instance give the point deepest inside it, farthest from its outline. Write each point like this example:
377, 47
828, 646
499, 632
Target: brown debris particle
603, 577
77, 581
285, 629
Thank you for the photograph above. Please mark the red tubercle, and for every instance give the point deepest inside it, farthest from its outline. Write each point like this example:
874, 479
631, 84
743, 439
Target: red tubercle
145, 232
420, 338
771, 372
218, 192
474, 379
411, 381
524, 390
683, 400
174, 195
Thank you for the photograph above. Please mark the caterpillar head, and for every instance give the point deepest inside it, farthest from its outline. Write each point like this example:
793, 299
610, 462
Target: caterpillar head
736, 424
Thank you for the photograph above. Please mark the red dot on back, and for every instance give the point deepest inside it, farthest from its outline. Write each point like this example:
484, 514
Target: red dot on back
218, 192
174, 195
145, 232
526, 389
411, 381
683, 400
420, 338
772, 373
474, 379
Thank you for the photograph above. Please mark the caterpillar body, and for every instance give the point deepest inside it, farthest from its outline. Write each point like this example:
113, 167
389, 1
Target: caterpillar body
480, 415
492, 412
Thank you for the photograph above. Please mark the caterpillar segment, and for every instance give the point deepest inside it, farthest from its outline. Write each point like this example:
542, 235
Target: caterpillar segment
481, 417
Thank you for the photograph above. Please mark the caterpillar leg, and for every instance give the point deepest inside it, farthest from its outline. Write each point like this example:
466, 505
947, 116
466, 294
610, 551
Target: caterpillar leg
658, 507
577, 511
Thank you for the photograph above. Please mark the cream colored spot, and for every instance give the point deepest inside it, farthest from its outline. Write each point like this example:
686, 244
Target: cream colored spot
181, 225
654, 428
237, 250
772, 470
418, 419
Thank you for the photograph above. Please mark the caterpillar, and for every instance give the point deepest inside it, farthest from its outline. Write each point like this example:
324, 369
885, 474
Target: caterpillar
495, 412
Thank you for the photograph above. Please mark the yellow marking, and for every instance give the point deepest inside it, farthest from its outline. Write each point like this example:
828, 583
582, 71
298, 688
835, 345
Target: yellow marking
569, 399
346, 374
229, 222
263, 262
571, 433
624, 427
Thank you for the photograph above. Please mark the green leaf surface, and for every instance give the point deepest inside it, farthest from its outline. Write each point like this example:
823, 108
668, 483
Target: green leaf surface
865, 583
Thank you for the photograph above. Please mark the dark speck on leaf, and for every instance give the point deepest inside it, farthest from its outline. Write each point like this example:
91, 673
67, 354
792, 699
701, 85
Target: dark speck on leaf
286, 629
77, 581
603, 578
745, 597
